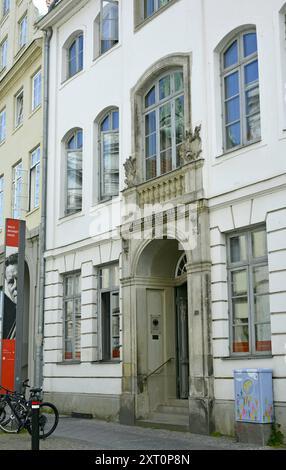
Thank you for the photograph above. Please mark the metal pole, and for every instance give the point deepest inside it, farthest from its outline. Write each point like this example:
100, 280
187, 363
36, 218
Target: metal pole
35, 425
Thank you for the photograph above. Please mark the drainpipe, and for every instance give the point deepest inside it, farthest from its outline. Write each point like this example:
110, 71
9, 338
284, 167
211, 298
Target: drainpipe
42, 236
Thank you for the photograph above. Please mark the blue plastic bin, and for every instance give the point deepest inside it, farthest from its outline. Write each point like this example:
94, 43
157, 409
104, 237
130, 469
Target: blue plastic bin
253, 395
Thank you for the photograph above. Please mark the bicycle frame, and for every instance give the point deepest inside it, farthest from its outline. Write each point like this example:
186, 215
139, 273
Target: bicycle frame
20, 419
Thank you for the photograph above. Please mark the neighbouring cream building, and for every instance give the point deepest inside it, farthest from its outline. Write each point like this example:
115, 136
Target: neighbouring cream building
166, 214
21, 134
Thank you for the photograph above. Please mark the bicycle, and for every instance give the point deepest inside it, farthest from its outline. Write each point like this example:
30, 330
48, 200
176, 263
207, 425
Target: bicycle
16, 412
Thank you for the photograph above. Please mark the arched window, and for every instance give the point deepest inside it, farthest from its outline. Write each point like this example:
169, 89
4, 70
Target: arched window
75, 56
164, 124
109, 154
181, 266
106, 27
241, 104
74, 172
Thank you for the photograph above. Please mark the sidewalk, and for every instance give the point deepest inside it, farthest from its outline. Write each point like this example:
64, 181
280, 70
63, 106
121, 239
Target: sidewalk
82, 434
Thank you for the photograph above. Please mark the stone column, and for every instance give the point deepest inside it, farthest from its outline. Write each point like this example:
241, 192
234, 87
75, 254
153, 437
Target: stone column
200, 341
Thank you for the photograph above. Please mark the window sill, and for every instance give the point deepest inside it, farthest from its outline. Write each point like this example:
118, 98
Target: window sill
17, 128
68, 363
2, 142
239, 149
4, 18
32, 211
70, 79
34, 111
105, 54
68, 217
236, 358
105, 362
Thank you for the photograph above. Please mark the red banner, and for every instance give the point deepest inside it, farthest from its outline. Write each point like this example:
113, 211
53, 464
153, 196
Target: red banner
12, 232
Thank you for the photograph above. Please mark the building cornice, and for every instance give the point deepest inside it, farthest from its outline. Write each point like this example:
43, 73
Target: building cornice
60, 11
33, 51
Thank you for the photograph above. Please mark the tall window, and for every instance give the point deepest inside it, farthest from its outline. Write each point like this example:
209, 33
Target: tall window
1, 202
75, 56
3, 54
241, 91
249, 292
34, 195
110, 313
36, 90
72, 316
19, 107
109, 151
2, 125
164, 124
106, 27
151, 6
23, 31
17, 188
74, 173
6, 7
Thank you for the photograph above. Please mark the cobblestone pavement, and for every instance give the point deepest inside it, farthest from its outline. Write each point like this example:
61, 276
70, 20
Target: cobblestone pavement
82, 434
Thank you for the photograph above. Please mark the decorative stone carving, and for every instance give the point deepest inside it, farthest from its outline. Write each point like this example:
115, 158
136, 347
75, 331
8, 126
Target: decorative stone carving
130, 172
191, 148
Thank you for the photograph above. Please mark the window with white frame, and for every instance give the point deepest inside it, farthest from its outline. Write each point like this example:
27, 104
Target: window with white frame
1, 202
2, 125
240, 80
19, 108
72, 317
34, 196
75, 56
109, 155
74, 173
23, 31
164, 124
36, 90
6, 7
17, 188
106, 27
248, 280
3, 53
110, 312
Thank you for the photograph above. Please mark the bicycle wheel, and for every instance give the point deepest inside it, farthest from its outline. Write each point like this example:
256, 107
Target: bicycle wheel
9, 422
48, 420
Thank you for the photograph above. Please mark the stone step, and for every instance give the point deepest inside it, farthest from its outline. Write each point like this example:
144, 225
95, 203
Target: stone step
170, 409
173, 422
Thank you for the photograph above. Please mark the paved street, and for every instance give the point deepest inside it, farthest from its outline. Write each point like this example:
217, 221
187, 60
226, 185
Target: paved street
81, 434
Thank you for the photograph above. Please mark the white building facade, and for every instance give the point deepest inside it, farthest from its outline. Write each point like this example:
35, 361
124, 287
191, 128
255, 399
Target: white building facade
178, 108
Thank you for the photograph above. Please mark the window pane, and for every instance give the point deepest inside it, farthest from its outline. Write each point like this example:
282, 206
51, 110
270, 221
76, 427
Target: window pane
239, 282
151, 145
240, 339
150, 98
115, 120
263, 337
149, 8
179, 81
165, 138
252, 101
253, 127
233, 135
251, 72
262, 309
166, 161
105, 278
150, 123
151, 168
232, 110
105, 126
165, 115
240, 310
238, 248
231, 55
249, 44
179, 117
109, 25
164, 87
231, 83
260, 280
259, 243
